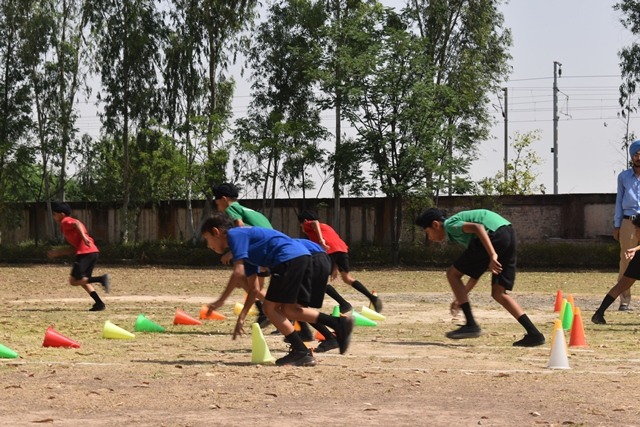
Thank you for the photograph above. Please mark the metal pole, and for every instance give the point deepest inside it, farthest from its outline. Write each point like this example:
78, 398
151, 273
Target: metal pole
506, 133
554, 150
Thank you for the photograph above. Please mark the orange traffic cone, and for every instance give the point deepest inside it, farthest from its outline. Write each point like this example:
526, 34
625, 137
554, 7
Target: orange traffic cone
570, 301
577, 338
182, 318
53, 338
214, 315
559, 302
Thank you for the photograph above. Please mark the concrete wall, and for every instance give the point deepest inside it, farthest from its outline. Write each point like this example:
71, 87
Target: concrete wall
536, 218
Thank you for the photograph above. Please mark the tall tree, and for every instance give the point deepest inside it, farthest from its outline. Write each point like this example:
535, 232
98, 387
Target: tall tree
129, 36
282, 131
16, 156
629, 66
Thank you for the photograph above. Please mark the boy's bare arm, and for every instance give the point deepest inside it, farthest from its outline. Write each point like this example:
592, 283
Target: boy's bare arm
316, 227
478, 229
236, 279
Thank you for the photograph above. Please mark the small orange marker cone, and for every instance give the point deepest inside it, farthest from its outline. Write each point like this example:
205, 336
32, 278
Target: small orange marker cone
577, 338
53, 338
559, 302
214, 315
182, 318
570, 301
318, 336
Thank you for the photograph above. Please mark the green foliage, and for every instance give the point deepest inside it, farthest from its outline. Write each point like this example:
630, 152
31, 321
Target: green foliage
521, 173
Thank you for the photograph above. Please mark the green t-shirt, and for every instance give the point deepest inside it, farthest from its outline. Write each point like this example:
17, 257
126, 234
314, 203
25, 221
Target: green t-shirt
453, 225
236, 211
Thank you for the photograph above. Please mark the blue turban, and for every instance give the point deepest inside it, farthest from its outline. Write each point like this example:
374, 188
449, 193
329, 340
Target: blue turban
634, 148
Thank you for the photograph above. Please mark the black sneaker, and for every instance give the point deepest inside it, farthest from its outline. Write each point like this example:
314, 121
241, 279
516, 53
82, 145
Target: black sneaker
377, 304
465, 331
343, 332
344, 309
97, 307
530, 340
625, 307
327, 345
297, 358
598, 319
106, 283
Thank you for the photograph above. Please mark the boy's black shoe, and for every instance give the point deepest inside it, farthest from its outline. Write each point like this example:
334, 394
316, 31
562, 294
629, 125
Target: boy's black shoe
625, 307
97, 307
465, 331
327, 345
297, 358
106, 283
530, 340
344, 309
343, 332
377, 304
598, 319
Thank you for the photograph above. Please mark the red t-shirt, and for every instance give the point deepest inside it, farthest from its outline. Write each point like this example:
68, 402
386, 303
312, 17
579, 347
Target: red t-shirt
331, 238
74, 237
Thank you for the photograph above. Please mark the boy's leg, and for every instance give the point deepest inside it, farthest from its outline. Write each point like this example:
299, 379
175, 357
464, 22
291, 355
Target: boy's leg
343, 325
345, 306
533, 336
470, 329
623, 284
80, 273
299, 355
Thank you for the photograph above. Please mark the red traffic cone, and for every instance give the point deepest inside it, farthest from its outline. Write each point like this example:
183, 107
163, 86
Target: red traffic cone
182, 318
53, 338
559, 302
577, 338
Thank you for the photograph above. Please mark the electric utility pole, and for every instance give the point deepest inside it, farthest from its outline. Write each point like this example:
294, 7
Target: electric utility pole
557, 72
505, 114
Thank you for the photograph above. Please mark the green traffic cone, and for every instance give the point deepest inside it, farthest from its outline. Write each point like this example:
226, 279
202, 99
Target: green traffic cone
143, 324
360, 320
7, 353
336, 311
567, 318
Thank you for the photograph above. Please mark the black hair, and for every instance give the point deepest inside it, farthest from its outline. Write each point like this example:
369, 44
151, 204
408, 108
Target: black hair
225, 190
59, 207
426, 218
217, 220
308, 215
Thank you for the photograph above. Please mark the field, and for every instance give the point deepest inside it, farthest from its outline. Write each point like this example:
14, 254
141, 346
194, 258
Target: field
403, 372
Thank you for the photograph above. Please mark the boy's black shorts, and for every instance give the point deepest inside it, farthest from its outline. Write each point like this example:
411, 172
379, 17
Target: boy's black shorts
83, 265
341, 259
474, 261
287, 280
633, 269
316, 285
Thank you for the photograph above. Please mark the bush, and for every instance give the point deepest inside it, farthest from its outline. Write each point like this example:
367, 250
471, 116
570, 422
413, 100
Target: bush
548, 255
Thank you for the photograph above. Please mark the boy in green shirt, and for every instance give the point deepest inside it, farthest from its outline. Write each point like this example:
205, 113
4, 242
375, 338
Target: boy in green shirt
490, 243
226, 198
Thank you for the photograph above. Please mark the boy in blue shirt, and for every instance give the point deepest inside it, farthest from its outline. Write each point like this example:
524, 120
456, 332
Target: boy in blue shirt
254, 248
490, 243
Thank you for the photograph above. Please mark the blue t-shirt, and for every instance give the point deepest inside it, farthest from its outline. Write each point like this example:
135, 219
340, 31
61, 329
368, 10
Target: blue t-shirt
312, 247
262, 247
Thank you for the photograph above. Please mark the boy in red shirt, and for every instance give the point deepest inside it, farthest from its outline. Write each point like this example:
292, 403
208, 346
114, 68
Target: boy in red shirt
86, 252
337, 249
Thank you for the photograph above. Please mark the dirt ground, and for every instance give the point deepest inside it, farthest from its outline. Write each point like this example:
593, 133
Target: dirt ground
403, 372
